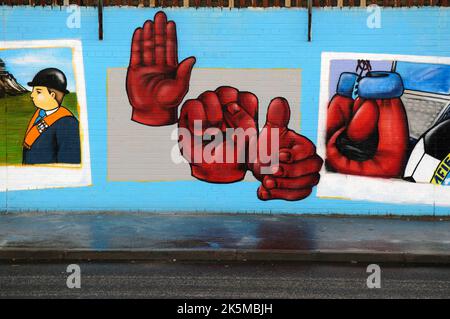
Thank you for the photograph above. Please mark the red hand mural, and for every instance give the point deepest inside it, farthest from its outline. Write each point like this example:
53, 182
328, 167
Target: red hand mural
156, 82
216, 111
299, 165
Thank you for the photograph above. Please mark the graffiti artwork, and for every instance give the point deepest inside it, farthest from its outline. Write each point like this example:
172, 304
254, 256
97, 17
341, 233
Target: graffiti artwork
53, 134
227, 158
298, 169
156, 82
387, 118
44, 131
213, 156
367, 135
218, 130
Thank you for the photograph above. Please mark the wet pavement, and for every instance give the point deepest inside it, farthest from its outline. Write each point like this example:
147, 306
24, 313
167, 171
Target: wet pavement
234, 233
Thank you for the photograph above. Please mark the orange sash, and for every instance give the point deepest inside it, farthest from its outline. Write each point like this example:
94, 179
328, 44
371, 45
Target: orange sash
35, 130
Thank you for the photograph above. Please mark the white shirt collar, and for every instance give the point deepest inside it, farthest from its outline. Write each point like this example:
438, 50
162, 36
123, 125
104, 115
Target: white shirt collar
51, 111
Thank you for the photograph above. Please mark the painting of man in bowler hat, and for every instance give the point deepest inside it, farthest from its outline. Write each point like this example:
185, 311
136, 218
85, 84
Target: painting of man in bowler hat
53, 134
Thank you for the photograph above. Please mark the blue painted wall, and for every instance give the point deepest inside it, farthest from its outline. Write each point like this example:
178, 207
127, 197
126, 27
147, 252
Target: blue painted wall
273, 38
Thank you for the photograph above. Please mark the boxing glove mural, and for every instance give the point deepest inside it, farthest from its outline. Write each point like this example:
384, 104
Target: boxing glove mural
370, 136
340, 107
156, 82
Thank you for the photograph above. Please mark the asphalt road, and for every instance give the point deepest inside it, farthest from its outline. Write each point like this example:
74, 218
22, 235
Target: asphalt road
222, 280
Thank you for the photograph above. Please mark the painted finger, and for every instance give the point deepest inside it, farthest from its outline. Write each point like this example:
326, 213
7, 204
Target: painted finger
278, 113
236, 117
213, 108
302, 148
135, 55
160, 38
307, 181
227, 94
285, 194
148, 44
249, 102
171, 44
193, 117
305, 167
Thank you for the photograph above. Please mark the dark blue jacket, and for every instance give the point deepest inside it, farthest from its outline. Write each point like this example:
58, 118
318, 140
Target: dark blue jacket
60, 143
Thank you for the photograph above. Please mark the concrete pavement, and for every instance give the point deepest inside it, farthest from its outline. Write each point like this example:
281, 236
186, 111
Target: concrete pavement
109, 236
144, 236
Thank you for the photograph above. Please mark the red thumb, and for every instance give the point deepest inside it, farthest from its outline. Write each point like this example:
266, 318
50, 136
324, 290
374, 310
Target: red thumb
184, 70
278, 113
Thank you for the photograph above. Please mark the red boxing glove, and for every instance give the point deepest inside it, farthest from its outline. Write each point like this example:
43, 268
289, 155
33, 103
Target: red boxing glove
374, 141
214, 155
299, 165
341, 105
156, 83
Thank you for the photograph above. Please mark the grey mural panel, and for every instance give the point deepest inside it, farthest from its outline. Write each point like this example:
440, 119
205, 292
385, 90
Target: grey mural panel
142, 153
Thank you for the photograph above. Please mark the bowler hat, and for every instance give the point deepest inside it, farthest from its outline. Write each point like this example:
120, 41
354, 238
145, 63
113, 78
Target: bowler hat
52, 78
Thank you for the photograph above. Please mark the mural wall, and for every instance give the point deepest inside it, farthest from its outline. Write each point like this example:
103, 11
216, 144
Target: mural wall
226, 111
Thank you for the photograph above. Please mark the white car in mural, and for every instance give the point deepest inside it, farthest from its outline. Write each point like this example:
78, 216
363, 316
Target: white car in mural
427, 102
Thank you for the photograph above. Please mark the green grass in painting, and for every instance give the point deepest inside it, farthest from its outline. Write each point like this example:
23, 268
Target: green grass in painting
15, 113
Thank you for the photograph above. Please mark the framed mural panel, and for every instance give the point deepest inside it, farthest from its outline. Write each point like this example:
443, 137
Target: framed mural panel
44, 136
384, 128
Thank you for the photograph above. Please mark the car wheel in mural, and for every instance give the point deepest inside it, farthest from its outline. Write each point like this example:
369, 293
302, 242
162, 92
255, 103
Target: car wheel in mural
390, 121
156, 82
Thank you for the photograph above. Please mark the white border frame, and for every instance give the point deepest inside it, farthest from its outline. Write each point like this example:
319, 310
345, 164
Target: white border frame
49, 176
342, 186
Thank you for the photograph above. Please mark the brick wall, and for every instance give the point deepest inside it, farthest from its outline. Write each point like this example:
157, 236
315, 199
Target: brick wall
219, 38
231, 3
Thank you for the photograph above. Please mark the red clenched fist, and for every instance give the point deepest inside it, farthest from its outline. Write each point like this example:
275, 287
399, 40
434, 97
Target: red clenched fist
156, 83
214, 155
299, 165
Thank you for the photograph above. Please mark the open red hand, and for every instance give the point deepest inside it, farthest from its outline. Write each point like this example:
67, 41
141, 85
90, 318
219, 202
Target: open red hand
156, 82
